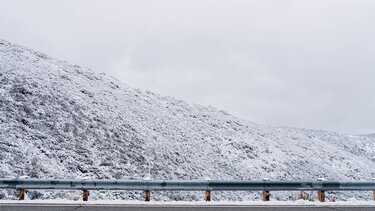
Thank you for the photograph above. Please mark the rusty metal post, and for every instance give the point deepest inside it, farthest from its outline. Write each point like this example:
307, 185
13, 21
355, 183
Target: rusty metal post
21, 194
266, 194
321, 193
147, 195
85, 195
321, 196
207, 195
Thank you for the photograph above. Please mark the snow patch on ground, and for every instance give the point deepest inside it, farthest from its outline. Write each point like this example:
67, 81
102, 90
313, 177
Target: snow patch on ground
351, 202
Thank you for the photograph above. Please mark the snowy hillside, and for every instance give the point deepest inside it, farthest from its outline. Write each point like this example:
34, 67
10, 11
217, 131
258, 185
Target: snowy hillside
371, 135
59, 120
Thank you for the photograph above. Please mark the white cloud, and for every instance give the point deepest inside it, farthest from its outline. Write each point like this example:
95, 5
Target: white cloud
297, 63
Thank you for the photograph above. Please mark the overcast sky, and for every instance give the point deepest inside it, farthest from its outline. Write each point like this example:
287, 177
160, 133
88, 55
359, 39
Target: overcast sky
298, 63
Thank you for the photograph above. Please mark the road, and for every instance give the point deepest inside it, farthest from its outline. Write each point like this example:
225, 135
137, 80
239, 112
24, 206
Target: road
143, 207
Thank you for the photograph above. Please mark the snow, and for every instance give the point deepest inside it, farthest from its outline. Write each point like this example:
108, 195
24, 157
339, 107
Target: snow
372, 135
351, 202
59, 120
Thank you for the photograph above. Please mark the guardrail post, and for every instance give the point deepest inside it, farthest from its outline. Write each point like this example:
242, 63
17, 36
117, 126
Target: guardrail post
147, 195
85, 195
21, 194
207, 195
321, 193
266, 193
321, 196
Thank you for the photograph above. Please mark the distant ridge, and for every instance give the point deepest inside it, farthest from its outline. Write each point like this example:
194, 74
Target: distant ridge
371, 135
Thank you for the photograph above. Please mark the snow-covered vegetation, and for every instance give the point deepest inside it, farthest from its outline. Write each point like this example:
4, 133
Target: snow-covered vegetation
59, 120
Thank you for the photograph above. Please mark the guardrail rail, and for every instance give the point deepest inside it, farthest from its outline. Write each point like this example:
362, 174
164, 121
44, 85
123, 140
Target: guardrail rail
321, 186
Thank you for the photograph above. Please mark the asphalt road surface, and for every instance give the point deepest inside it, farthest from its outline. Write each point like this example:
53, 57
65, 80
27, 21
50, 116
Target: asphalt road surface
142, 207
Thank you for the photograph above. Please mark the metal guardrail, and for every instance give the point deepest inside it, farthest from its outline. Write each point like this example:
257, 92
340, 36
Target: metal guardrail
195, 185
185, 185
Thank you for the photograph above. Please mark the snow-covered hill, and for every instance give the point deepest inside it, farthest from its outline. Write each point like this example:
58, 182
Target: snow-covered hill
59, 120
371, 135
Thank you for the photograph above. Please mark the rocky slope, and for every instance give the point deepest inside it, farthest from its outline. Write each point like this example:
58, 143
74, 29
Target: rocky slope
59, 120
